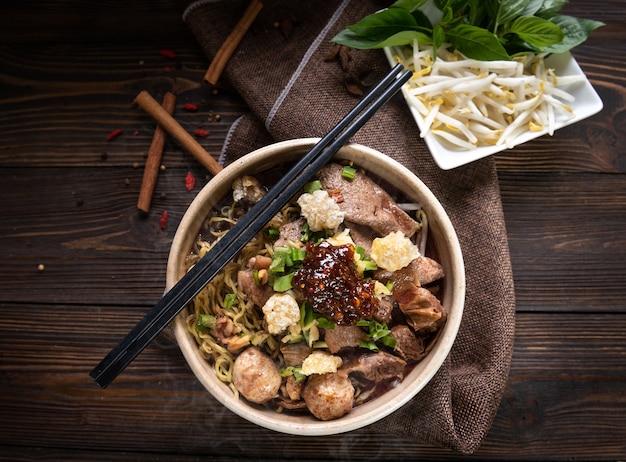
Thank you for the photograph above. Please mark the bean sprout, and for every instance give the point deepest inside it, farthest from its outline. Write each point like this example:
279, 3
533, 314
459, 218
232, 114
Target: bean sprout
468, 103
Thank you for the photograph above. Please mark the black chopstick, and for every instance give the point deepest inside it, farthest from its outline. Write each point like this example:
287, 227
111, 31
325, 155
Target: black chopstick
245, 229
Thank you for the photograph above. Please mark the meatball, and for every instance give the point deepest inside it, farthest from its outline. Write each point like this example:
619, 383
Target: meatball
256, 376
328, 396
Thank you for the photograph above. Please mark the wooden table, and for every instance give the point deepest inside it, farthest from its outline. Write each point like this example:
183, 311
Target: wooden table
79, 266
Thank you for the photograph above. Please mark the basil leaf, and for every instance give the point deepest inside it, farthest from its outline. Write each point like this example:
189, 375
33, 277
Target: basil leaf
532, 7
510, 9
383, 24
536, 31
477, 43
551, 7
401, 38
423, 22
409, 5
439, 36
575, 30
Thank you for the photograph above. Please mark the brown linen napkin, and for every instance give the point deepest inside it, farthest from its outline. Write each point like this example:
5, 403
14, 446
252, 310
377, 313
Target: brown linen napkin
293, 92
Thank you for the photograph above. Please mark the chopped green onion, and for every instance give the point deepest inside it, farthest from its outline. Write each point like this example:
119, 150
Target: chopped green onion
205, 323
283, 283
360, 251
297, 255
255, 275
377, 332
312, 186
368, 344
229, 300
348, 172
271, 232
305, 234
369, 265
389, 286
280, 260
324, 323
306, 314
292, 370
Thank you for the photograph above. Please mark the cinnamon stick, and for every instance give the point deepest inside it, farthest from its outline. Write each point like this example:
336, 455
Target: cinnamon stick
153, 162
232, 41
171, 126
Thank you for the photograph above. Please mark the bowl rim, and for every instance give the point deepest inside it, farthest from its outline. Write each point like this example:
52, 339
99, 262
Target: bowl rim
366, 413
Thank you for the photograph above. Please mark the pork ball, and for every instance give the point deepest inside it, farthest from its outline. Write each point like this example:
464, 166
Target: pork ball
328, 396
256, 376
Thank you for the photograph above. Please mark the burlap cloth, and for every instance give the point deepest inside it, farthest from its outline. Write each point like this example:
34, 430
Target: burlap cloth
293, 92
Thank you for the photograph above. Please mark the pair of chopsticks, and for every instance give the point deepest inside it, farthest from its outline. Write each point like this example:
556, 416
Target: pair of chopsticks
245, 229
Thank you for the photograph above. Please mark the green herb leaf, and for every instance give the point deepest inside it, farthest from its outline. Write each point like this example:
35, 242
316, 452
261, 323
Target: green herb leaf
409, 5
384, 23
536, 31
508, 10
349, 39
575, 30
550, 7
477, 43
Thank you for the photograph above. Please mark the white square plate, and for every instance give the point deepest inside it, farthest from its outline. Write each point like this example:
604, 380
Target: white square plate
586, 103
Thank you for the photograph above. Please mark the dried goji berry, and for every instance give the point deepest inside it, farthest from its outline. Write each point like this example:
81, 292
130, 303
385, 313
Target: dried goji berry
167, 54
190, 181
114, 134
201, 133
163, 220
190, 107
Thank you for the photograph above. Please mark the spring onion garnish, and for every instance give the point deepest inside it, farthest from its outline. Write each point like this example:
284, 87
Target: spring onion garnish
205, 323
312, 186
229, 300
377, 332
348, 172
271, 232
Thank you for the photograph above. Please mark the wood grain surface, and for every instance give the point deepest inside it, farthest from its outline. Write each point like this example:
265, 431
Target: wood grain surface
68, 74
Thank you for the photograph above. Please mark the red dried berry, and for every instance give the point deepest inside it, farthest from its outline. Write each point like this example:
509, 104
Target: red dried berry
190, 181
201, 133
167, 54
190, 107
163, 220
114, 134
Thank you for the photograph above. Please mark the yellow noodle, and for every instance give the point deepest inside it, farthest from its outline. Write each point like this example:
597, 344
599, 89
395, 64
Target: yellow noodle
246, 318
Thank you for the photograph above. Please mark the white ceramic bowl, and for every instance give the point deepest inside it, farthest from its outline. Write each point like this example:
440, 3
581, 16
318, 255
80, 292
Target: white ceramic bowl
453, 296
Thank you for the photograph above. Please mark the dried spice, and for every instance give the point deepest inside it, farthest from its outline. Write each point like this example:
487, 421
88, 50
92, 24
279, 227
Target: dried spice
190, 107
201, 133
168, 54
163, 220
190, 181
114, 134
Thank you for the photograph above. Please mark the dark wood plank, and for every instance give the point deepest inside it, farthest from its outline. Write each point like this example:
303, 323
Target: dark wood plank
56, 101
564, 372
566, 240
84, 20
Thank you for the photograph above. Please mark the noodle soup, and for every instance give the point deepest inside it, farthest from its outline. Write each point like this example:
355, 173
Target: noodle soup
343, 297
